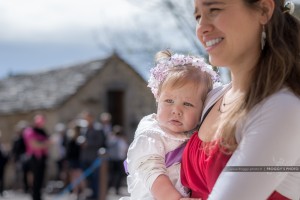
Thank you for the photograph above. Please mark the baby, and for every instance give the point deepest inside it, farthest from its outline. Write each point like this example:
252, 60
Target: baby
180, 84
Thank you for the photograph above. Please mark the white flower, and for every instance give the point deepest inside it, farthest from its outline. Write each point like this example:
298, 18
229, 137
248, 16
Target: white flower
160, 71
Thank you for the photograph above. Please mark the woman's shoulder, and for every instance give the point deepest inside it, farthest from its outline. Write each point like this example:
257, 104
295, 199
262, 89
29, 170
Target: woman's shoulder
284, 99
214, 95
281, 102
219, 90
285, 95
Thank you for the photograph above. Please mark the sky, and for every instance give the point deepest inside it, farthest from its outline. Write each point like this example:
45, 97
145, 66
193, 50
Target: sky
43, 34
38, 35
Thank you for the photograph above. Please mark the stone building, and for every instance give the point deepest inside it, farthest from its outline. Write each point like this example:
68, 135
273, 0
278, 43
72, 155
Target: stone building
105, 85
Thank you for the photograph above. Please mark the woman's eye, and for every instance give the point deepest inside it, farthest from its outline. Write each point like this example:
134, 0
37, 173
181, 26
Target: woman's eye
198, 17
188, 104
214, 10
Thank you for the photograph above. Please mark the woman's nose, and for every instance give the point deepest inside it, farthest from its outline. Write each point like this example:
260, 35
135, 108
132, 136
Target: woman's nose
203, 26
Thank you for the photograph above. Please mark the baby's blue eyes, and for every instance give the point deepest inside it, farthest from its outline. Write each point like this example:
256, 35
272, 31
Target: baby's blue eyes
169, 101
188, 104
185, 103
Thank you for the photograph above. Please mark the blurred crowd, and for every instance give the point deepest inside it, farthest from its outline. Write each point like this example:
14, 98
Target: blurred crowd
73, 148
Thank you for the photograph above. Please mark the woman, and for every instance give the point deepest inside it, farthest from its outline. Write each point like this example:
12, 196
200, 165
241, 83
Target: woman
37, 144
254, 120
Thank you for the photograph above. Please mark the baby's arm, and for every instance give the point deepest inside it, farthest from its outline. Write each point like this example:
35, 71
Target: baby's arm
163, 189
147, 163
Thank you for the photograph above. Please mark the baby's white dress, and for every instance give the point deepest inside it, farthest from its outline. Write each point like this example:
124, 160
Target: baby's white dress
146, 159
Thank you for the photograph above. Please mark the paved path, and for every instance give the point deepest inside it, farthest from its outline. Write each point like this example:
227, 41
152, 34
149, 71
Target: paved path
15, 195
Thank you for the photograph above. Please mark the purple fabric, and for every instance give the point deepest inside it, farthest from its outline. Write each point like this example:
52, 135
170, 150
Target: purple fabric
170, 158
126, 166
174, 156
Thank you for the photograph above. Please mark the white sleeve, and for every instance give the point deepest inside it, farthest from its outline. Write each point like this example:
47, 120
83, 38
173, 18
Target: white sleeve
270, 136
146, 158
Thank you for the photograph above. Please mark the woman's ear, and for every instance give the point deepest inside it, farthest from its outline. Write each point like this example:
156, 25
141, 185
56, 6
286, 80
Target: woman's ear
267, 8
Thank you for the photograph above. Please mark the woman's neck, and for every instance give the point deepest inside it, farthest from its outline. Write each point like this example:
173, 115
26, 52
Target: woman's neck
241, 72
241, 78
239, 83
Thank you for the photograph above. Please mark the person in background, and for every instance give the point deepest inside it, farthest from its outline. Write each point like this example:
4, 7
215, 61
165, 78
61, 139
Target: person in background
72, 156
37, 144
117, 151
105, 120
19, 156
58, 150
254, 120
94, 140
4, 157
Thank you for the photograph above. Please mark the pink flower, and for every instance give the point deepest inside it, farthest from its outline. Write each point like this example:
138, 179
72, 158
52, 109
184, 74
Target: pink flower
160, 71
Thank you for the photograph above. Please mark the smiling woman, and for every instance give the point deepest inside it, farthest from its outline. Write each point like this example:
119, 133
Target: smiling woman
254, 120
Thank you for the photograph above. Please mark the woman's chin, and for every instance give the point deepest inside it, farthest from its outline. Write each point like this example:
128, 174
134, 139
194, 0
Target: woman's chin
215, 62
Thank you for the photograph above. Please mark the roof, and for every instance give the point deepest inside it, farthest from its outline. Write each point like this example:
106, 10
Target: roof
44, 90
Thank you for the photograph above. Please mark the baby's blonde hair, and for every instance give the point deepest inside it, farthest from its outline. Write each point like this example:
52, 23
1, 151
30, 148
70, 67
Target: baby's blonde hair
180, 76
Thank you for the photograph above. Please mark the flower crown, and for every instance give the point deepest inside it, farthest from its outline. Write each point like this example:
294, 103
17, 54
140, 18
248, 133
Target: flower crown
159, 73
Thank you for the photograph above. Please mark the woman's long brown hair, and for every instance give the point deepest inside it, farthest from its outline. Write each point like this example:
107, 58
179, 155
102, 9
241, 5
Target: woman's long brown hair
277, 67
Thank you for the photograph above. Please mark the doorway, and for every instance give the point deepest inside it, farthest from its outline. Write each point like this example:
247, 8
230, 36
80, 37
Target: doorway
116, 106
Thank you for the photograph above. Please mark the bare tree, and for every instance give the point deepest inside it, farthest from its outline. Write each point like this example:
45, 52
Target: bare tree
150, 31
182, 12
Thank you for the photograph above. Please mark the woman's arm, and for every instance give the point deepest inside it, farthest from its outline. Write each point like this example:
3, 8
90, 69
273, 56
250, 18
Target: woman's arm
270, 137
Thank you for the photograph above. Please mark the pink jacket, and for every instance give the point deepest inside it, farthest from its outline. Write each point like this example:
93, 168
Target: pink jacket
29, 136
